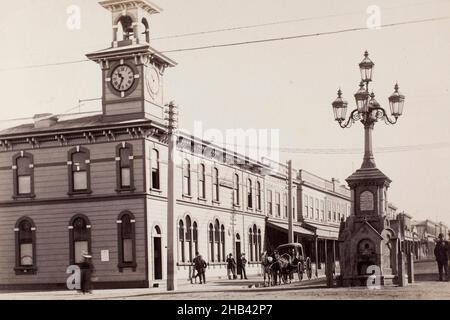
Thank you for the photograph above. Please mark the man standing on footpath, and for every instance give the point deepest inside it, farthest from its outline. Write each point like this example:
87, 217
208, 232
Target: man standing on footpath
441, 252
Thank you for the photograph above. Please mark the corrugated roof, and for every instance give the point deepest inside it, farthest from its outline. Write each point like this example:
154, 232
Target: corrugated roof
77, 123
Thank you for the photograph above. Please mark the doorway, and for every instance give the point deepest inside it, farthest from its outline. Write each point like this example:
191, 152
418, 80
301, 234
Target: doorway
157, 254
238, 251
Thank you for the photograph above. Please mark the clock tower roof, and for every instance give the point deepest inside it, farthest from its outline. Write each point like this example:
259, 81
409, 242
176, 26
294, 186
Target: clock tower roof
120, 5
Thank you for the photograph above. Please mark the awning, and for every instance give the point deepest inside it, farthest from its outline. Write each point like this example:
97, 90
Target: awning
284, 227
325, 231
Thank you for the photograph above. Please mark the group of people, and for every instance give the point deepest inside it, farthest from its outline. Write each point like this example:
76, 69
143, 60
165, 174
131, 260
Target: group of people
233, 267
442, 253
240, 265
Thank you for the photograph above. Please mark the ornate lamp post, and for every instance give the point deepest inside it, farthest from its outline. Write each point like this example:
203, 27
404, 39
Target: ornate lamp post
368, 110
366, 243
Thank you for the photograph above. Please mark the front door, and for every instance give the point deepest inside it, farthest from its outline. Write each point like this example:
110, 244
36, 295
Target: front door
238, 252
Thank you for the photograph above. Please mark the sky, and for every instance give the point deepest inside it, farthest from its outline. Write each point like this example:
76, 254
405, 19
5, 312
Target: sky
286, 85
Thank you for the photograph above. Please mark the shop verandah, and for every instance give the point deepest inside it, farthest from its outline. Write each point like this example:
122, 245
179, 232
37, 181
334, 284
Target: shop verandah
317, 243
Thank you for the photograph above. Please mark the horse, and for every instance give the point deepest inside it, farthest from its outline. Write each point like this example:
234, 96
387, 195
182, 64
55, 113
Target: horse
266, 264
281, 268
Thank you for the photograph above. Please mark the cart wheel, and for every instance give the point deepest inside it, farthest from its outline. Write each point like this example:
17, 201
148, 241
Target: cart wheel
308, 268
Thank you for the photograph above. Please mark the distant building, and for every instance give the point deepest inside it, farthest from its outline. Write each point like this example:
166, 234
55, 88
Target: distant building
428, 232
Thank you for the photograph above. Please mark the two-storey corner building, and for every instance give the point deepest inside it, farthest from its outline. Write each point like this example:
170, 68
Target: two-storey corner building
322, 206
97, 184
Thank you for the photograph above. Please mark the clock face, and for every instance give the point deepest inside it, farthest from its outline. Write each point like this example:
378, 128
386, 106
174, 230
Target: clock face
153, 81
122, 78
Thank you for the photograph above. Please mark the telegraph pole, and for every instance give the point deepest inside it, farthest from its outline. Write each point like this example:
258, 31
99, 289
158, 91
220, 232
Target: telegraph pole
171, 201
290, 218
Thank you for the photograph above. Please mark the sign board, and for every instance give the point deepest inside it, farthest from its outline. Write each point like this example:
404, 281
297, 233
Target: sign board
366, 202
105, 255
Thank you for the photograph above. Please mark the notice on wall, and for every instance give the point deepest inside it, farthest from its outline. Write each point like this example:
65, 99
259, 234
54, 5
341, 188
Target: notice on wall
366, 201
105, 255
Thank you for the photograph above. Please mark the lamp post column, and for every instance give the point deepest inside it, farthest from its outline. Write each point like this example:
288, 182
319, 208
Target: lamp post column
369, 160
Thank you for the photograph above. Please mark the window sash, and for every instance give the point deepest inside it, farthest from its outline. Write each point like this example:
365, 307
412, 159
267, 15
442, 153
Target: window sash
80, 180
125, 177
80, 247
26, 254
127, 250
23, 185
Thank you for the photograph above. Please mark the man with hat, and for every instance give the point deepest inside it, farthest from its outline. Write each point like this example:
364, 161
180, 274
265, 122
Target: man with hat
441, 252
242, 263
87, 269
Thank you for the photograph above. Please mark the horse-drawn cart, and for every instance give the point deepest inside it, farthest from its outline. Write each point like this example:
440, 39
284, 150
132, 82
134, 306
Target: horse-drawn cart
298, 262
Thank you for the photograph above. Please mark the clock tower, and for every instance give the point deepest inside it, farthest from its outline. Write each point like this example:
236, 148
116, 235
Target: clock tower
132, 71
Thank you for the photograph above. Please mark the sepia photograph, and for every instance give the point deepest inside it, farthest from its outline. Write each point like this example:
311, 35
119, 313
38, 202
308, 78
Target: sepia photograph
237, 152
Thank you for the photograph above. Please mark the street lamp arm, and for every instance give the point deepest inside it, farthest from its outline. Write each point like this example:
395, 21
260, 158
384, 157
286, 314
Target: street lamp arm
382, 114
354, 116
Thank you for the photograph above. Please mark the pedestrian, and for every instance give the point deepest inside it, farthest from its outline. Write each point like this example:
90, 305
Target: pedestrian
87, 269
441, 252
200, 266
243, 263
231, 267
193, 275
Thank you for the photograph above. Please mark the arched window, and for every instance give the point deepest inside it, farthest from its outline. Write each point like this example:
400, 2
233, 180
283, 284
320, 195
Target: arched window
126, 24
258, 195
249, 193
146, 30
216, 184
189, 238
79, 171
222, 242
124, 167
250, 243
126, 231
255, 243
211, 241
23, 169
285, 205
181, 240
186, 177
195, 236
25, 232
259, 252
202, 182
217, 240
236, 190
155, 170
79, 238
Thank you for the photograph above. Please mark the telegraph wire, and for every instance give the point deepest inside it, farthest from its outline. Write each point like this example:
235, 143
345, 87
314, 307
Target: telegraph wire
253, 26
308, 35
249, 42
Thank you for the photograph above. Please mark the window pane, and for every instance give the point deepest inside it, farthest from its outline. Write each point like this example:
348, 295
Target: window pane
125, 154
24, 185
79, 161
80, 180
26, 254
155, 180
155, 159
23, 166
81, 247
127, 250
125, 177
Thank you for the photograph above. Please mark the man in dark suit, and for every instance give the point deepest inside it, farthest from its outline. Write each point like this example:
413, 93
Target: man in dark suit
441, 252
